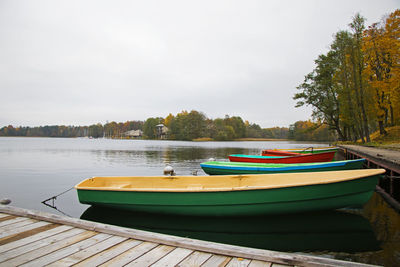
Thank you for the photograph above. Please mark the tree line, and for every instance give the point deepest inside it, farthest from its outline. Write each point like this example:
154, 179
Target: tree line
108, 130
355, 87
195, 125
183, 126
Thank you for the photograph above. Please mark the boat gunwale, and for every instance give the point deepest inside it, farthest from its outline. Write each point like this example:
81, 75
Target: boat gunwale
237, 165
311, 155
364, 173
306, 149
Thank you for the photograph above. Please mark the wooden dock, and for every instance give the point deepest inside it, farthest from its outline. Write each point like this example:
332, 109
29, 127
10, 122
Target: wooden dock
389, 185
33, 238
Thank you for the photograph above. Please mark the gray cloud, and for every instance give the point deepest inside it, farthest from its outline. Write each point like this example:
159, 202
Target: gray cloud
83, 62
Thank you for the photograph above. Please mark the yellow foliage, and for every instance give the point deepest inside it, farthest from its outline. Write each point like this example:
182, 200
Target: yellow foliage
381, 46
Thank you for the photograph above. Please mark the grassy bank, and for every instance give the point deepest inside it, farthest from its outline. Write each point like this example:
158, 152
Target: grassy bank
389, 141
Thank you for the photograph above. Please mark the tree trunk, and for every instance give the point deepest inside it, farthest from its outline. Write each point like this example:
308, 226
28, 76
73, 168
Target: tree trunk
391, 116
382, 130
363, 113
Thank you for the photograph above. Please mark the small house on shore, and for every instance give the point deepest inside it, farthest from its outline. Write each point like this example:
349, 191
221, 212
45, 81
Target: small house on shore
134, 134
161, 131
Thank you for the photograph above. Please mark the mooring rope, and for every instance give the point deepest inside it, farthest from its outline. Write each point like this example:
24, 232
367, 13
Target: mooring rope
54, 198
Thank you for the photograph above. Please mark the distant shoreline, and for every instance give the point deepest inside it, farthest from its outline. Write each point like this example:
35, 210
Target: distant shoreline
240, 139
260, 139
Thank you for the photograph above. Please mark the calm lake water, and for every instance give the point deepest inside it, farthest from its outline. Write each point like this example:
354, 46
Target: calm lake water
35, 169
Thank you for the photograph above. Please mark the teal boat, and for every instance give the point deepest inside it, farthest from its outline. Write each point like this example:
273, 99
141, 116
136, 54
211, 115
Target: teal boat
232, 195
227, 167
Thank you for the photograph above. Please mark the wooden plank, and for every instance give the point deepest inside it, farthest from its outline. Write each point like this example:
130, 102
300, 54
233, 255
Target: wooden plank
31, 246
152, 256
238, 262
27, 233
205, 246
66, 251
109, 254
12, 221
21, 229
173, 258
6, 217
197, 258
216, 260
256, 263
88, 252
131, 254
36, 253
34, 238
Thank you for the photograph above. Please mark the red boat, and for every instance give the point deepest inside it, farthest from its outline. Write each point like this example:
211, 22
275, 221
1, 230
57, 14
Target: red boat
303, 158
274, 152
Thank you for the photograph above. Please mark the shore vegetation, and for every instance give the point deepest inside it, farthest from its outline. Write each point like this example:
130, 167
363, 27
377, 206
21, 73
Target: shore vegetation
354, 88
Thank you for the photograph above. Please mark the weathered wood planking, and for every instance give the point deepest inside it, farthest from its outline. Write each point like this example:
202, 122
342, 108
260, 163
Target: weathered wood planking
256, 263
5, 217
131, 254
152, 256
17, 228
109, 254
70, 241
88, 252
71, 248
216, 260
173, 258
11, 221
197, 258
32, 238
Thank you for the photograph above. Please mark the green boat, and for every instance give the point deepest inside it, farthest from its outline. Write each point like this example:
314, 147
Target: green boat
227, 167
229, 195
232, 195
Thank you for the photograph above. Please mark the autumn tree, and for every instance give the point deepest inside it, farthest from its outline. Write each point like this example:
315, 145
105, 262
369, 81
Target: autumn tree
381, 47
349, 115
357, 59
149, 127
95, 130
355, 86
319, 91
187, 125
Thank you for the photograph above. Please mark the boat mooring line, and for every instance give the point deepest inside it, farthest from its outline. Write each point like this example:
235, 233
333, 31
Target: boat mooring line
52, 205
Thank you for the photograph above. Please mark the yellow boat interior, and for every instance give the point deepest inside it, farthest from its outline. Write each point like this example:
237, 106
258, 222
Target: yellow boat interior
221, 182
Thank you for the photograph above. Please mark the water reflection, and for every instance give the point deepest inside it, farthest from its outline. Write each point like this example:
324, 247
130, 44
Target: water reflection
334, 231
385, 222
184, 159
170, 154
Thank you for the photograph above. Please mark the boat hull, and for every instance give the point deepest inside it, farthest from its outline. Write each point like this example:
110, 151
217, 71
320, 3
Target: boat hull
228, 168
274, 152
325, 196
304, 158
312, 150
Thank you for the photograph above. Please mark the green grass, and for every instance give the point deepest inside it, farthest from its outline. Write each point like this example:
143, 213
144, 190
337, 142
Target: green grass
390, 141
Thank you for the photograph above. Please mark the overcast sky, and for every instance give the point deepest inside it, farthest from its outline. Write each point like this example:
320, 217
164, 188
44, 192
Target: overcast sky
85, 62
